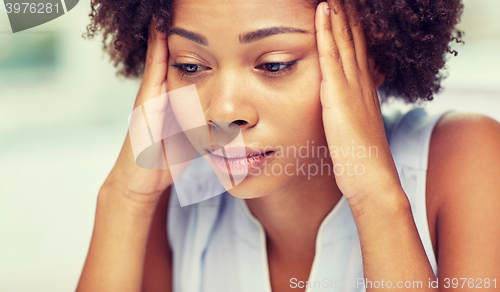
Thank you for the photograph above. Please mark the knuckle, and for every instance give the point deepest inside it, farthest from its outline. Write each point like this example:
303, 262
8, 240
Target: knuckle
334, 53
347, 33
331, 53
334, 5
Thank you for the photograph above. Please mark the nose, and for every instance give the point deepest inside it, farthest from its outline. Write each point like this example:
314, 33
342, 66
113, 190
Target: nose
231, 102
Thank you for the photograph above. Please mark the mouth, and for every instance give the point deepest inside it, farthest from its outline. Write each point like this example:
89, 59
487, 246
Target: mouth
239, 160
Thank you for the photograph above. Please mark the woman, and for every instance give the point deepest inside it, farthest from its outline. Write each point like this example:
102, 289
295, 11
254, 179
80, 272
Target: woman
289, 73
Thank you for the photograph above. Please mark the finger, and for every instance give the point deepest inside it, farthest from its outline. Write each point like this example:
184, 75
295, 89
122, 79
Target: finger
329, 57
155, 71
342, 33
358, 37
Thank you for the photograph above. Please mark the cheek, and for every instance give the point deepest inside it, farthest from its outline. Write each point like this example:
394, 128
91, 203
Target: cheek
308, 116
300, 119
172, 79
307, 103
307, 111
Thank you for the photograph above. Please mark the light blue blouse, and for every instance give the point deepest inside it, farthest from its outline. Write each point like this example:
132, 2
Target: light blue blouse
218, 245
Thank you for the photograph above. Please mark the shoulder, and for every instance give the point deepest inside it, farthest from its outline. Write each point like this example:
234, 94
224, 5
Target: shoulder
461, 127
464, 152
463, 186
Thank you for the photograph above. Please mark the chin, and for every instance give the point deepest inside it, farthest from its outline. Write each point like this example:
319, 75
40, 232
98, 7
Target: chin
256, 186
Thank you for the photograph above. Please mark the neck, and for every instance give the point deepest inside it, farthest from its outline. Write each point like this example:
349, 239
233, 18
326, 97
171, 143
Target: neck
291, 218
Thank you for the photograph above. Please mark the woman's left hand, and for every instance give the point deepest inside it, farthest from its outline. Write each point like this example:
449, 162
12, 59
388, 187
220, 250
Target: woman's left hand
363, 164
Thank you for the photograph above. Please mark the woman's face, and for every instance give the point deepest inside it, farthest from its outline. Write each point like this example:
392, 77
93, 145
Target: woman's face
255, 63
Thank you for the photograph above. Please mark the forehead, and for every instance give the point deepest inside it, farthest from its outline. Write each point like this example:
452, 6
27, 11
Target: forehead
238, 16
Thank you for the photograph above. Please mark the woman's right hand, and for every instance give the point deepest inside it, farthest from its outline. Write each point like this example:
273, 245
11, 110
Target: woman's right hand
145, 185
129, 245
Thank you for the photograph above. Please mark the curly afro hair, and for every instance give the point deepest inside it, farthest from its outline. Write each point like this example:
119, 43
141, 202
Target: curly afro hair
409, 39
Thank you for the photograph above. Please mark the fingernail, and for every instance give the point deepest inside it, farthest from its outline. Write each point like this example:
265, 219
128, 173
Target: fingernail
326, 9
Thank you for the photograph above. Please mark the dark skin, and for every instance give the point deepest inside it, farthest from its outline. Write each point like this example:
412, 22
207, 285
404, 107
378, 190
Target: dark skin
451, 139
462, 193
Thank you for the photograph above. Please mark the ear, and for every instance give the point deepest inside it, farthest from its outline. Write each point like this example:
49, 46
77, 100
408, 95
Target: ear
378, 75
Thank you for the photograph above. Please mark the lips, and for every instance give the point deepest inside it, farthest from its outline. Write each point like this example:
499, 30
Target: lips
239, 160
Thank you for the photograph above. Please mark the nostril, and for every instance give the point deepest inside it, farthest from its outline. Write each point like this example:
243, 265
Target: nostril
239, 122
226, 126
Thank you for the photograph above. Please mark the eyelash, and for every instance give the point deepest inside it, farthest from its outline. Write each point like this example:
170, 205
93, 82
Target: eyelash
181, 67
288, 66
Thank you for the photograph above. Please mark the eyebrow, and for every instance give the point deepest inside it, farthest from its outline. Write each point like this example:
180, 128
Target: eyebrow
198, 38
265, 32
244, 39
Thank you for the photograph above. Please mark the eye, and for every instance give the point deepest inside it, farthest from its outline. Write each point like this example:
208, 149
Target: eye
273, 67
191, 70
277, 69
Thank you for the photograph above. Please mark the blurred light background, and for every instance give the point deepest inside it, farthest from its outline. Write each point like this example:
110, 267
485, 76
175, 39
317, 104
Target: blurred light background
63, 119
